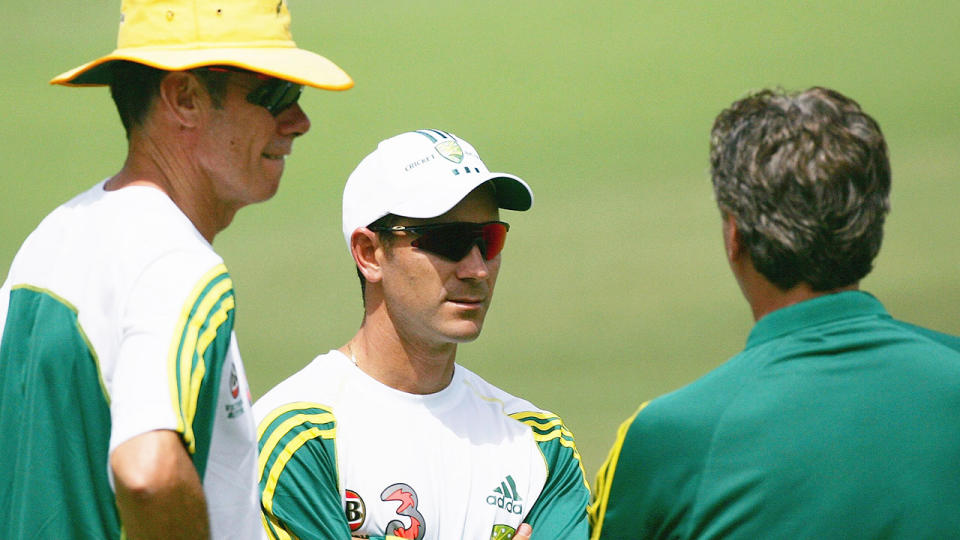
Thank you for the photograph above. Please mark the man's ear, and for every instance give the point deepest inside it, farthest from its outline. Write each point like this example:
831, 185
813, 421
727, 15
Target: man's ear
183, 97
364, 244
732, 242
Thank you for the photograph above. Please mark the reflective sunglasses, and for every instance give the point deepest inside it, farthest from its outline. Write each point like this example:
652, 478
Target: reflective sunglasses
454, 241
275, 95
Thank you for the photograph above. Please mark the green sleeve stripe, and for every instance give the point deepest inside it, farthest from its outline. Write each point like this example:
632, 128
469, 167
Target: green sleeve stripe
542, 418
274, 418
280, 434
598, 508
269, 484
563, 436
560, 508
207, 317
212, 349
275, 430
545, 427
557, 431
191, 363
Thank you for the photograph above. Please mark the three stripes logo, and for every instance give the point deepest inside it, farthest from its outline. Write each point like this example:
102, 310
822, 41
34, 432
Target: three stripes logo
505, 496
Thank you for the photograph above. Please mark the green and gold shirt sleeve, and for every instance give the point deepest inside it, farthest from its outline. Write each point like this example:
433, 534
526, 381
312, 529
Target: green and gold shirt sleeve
297, 470
607, 520
561, 509
201, 341
52, 392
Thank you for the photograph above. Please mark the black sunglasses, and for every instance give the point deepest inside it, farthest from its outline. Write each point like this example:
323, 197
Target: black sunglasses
275, 95
455, 240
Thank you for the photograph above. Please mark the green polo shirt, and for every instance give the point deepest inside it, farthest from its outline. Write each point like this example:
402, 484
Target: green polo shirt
836, 421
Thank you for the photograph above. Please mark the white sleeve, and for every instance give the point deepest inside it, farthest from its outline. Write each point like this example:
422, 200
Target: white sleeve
175, 306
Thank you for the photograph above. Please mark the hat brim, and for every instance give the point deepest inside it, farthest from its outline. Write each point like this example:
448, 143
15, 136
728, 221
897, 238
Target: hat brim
511, 192
287, 63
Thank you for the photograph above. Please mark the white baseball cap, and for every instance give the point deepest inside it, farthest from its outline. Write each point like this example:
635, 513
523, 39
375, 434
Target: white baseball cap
422, 174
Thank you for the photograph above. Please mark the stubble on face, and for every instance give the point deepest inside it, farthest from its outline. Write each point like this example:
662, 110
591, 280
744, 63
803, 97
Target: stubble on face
432, 299
243, 152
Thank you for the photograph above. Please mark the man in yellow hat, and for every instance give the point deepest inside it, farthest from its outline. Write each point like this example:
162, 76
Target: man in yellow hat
124, 406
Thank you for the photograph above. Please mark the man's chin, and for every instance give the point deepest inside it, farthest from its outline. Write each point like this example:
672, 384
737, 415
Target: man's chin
465, 334
269, 189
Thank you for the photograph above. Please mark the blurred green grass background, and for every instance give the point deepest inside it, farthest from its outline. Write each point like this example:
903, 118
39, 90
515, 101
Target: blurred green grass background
613, 288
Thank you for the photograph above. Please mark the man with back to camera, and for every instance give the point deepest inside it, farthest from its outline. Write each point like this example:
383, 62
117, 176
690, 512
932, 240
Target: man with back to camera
123, 400
836, 421
388, 436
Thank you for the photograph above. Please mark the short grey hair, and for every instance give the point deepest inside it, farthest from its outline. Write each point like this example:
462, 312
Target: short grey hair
806, 177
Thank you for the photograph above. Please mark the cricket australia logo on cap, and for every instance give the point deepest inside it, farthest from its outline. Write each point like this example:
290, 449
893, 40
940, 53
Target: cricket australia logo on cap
447, 147
450, 150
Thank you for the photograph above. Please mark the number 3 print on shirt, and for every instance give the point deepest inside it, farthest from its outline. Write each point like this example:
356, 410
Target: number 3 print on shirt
407, 498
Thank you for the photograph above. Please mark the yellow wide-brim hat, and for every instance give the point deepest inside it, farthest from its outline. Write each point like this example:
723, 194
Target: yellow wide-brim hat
176, 35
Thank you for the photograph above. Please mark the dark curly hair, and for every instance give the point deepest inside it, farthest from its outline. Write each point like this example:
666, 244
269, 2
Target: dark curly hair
807, 179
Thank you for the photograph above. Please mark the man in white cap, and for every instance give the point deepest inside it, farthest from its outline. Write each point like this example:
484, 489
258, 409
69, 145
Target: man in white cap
123, 402
388, 436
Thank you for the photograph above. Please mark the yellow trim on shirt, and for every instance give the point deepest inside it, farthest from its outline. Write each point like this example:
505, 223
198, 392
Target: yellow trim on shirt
598, 508
273, 528
302, 438
282, 430
185, 388
557, 431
